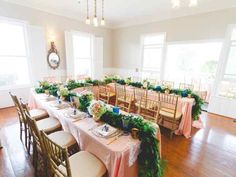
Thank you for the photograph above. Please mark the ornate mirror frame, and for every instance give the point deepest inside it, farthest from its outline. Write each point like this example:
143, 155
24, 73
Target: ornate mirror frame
54, 64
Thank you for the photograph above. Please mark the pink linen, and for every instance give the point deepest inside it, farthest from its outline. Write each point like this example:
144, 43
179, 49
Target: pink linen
120, 157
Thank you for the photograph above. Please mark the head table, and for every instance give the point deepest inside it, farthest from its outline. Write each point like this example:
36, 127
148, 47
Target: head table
184, 106
119, 157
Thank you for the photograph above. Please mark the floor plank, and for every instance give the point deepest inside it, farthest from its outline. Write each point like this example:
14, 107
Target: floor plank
210, 152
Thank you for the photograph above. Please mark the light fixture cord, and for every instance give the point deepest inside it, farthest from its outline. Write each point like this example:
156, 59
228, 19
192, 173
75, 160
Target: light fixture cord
95, 8
87, 9
102, 9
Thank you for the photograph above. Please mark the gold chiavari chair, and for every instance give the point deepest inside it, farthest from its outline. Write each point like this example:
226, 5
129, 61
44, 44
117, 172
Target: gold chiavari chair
81, 164
37, 114
124, 97
186, 86
47, 123
169, 117
64, 139
105, 94
168, 83
139, 94
149, 109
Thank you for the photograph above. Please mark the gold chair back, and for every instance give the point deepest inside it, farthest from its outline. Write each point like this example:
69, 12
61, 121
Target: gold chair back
104, 93
56, 156
149, 109
34, 131
169, 103
124, 97
140, 93
18, 107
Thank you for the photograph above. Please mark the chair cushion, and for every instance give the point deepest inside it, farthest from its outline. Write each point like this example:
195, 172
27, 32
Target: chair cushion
85, 164
48, 124
38, 114
62, 138
170, 113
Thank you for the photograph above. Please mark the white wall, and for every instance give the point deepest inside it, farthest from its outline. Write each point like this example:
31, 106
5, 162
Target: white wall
126, 41
43, 27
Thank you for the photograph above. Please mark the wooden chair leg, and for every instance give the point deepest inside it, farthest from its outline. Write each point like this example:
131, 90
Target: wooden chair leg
26, 136
29, 143
21, 130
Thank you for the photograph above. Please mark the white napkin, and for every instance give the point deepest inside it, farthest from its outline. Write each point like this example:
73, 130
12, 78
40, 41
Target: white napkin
79, 115
101, 130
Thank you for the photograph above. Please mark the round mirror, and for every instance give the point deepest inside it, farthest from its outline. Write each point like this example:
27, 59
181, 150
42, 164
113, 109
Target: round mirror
53, 57
53, 60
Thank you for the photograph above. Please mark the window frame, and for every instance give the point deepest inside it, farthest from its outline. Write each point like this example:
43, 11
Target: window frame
224, 57
91, 36
25, 26
163, 46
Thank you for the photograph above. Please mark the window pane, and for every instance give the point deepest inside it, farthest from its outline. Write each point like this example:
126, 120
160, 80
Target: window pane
13, 71
154, 39
227, 89
82, 46
151, 75
82, 67
233, 37
189, 62
12, 42
230, 71
152, 59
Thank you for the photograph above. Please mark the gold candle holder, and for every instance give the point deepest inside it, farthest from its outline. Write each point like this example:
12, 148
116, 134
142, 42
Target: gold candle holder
134, 133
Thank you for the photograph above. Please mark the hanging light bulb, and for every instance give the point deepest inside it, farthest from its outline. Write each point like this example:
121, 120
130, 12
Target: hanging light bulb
87, 21
103, 20
193, 3
175, 4
103, 23
95, 19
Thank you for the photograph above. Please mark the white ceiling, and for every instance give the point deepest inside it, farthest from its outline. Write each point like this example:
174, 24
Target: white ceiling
126, 12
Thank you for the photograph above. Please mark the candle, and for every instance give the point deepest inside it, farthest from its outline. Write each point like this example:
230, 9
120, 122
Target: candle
116, 110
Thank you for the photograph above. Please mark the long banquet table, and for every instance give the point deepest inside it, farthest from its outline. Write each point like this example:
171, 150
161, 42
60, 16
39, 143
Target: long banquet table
184, 106
119, 157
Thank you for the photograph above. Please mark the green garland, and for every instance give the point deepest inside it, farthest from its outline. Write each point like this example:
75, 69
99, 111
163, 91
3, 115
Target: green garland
72, 84
150, 164
85, 101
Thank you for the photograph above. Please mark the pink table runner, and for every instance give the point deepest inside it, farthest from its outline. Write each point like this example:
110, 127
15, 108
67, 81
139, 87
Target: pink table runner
120, 157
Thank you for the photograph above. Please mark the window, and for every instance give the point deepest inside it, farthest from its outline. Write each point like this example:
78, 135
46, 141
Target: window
13, 54
193, 63
153, 46
82, 47
227, 85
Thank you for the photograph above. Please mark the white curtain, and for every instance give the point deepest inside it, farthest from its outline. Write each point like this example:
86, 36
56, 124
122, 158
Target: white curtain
97, 63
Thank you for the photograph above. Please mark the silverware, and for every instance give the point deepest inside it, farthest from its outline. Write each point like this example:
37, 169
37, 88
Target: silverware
115, 138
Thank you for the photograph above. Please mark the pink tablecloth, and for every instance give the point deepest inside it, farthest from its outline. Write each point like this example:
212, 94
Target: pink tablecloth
120, 157
184, 106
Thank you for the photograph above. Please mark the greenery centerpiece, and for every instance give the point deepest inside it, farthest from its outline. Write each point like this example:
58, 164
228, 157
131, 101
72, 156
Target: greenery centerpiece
85, 99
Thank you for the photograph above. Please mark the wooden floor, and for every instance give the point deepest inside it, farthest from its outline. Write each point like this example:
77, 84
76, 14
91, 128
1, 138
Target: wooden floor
211, 152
